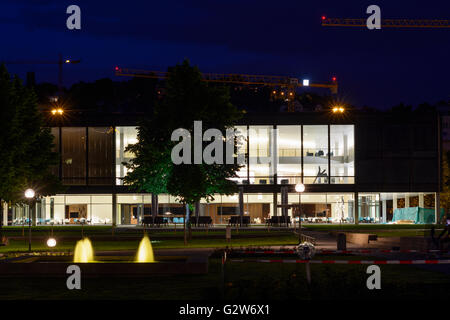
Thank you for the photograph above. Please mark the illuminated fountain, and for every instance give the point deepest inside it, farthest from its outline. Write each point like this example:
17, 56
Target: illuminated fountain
145, 251
83, 251
106, 263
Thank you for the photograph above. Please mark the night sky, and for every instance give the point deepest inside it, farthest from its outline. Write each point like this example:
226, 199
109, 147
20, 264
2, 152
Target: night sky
375, 68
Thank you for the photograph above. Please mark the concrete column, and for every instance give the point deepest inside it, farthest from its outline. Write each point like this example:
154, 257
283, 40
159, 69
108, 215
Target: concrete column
356, 215
394, 201
114, 209
273, 153
284, 201
384, 210
274, 204
406, 200
121, 154
241, 203
437, 207
140, 212
154, 205
421, 200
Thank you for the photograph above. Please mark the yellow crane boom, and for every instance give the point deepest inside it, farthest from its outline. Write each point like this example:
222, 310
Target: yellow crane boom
277, 81
386, 23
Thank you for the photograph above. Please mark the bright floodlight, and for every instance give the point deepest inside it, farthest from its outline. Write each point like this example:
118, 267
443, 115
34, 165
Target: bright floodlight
305, 82
29, 193
51, 242
299, 187
338, 109
58, 111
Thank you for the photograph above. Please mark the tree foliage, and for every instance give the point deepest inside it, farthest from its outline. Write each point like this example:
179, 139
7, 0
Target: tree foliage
187, 99
25, 143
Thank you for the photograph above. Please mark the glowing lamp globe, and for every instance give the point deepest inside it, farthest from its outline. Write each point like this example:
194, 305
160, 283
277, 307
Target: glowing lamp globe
299, 187
29, 193
51, 242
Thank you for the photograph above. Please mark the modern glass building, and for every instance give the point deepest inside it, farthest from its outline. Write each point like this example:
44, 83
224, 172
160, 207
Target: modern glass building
357, 168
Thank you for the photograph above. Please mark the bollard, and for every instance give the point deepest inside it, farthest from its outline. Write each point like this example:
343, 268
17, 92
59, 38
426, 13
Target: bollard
341, 241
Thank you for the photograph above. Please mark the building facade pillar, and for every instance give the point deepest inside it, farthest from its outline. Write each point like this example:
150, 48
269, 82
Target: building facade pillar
437, 208
384, 210
394, 202
241, 204
275, 204
406, 200
421, 200
284, 201
114, 209
356, 209
154, 205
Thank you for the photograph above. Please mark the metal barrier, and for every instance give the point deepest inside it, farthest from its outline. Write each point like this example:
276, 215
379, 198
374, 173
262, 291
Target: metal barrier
305, 238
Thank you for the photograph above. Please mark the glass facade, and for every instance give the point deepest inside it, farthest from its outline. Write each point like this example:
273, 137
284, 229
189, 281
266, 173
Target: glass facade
285, 154
342, 154
242, 147
289, 151
331, 207
274, 155
124, 137
100, 155
315, 154
73, 154
261, 154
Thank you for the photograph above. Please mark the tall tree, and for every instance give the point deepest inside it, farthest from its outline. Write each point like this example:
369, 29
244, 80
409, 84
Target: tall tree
188, 98
26, 144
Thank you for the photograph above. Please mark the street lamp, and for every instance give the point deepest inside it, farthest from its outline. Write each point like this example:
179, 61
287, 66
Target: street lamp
300, 188
29, 194
51, 242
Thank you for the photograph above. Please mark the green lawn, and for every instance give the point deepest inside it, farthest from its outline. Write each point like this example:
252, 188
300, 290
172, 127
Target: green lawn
107, 231
99, 245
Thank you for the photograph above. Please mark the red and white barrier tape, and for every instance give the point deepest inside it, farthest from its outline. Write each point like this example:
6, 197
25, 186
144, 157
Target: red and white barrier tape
345, 261
324, 251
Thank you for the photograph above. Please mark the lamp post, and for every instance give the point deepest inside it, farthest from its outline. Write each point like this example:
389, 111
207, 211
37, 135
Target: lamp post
29, 194
300, 188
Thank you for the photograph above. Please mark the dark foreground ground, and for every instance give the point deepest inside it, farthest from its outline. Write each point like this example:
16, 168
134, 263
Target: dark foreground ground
249, 281
236, 281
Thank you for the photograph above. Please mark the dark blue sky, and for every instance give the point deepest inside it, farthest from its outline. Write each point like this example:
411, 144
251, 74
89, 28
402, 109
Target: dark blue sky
375, 68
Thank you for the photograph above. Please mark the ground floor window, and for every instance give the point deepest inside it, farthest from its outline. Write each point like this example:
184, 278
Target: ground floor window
257, 208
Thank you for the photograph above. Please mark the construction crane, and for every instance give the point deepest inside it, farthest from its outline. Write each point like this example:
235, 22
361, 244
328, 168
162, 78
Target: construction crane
60, 62
291, 84
386, 23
